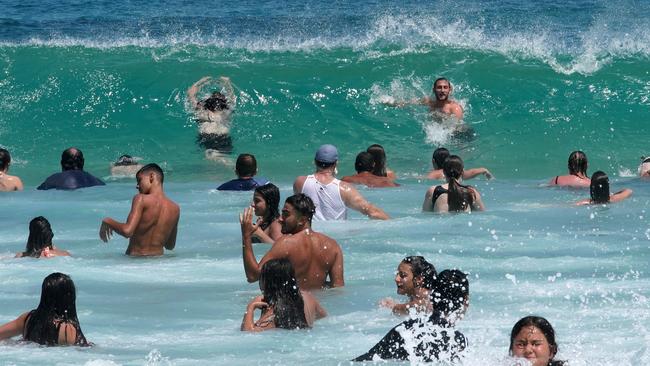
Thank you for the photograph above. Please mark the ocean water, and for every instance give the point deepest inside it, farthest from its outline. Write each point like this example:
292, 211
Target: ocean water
537, 81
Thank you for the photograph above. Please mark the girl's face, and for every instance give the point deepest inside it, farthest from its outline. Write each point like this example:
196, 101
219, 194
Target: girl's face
259, 204
532, 345
404, 280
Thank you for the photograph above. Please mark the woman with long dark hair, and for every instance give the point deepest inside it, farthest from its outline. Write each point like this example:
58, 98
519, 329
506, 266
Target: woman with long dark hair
54, 322
533, 338
379, 156
266, 203
39, 242
283, 304
452, 196
599, 191
415, 278
577, 177
438, 161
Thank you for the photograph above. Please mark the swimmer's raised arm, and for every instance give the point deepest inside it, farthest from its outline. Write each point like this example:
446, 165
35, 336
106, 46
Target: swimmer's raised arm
248, 322
355, 201
251, 267
230, 92
125, 229
194, 89
472, 173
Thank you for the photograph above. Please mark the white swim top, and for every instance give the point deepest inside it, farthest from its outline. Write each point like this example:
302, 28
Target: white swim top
327, 198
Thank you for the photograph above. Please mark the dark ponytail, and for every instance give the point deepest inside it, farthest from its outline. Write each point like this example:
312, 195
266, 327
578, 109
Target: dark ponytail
460, 197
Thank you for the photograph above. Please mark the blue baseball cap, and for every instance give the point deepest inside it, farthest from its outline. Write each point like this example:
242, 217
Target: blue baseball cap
327, 154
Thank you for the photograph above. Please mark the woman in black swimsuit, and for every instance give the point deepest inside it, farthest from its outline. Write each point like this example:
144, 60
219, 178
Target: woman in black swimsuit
452, 196
54, 322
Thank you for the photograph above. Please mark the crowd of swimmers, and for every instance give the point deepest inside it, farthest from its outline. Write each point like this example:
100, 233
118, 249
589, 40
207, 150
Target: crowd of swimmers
299, 259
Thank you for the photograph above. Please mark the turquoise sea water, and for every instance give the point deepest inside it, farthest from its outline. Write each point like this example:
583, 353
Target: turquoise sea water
537, 81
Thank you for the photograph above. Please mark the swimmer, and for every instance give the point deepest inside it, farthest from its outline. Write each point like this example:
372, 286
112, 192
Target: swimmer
416, 279
577, 177
314, 256
434, 337
331, 196
438, 159
533, 338
125, 166
39, 242
442, 104
379, 156
452, 196
599, 191
152, 223
283, 303
266, 202
364, 165
8, 182
246, 169
213, 115
644, 168
54, 322
72, 175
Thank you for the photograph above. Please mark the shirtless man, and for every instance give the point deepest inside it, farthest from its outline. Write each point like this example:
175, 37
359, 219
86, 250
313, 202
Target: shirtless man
363, 165
153, 221
442, 104
213, 116
331, 196
8, 182
313, 255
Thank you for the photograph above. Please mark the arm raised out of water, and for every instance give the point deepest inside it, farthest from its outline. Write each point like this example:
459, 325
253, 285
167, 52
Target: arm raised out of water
125, 229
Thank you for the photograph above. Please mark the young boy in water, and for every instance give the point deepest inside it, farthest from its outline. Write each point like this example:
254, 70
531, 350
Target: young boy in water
152, 223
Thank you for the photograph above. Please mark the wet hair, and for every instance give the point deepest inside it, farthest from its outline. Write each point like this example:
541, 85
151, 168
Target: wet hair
364, 162
303, 204
152, 167
460, 197
72, 159
216, 102
577, 163
40, 237
541, 324
423, 269
439, 156
57, 307
379, 156
451, 291
280, 288
323, 165
246, 165
599, 187
5, 159
271, 194
441, 79
125, 160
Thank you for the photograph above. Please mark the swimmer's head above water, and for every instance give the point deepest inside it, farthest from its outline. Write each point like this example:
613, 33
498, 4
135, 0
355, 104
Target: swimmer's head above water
215, 102
297, 213
72, 159
364, 162
442, 89
599, 187
125, 160
5, 160
326, 157
644, 167
578, 163
439, 156
246, 166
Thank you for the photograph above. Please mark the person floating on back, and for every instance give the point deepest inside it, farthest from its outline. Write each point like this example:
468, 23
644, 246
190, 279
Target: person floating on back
54, 322
213, 114
246, 169
331, 196
364, 165
39, 242
599, 191
314, 256
72, 176
152, 223
577, 177
125, 166
8, 182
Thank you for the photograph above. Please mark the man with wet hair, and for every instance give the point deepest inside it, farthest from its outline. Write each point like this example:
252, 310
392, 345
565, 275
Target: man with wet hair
442, 103
213, 116
246, 169
152, 223
331, 196
317, 258
364, 165
72, 176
